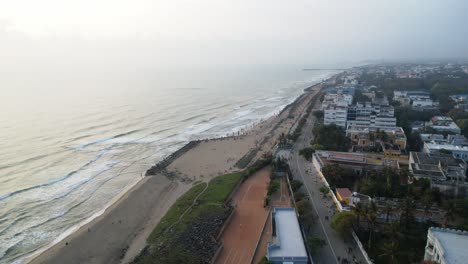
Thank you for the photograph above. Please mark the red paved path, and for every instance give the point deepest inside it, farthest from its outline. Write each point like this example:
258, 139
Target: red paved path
245, 228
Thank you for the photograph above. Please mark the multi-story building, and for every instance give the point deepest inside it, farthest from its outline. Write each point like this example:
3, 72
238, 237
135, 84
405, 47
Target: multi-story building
359, 163
371, 115
457, 145
336, 115
443, 124
367, 136
338, 99
446, 246
446, 173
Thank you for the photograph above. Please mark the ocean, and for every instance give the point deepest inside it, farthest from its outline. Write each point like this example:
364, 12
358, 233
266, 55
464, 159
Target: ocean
70, 144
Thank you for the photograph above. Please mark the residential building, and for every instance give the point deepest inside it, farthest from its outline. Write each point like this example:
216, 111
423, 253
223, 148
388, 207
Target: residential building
287, 245
459, 151
432, 137
437, 167
422, 102
359, 163
417, 126
337, 115
446, 173
459, 98
343, 195
371, 115
338, 99
446, 246
443, 124
367, 136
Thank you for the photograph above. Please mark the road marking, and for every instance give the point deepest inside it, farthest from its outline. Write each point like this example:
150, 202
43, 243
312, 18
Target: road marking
246, 192
227, 258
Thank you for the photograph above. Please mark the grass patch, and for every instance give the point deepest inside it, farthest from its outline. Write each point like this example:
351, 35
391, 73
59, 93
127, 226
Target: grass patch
191, 239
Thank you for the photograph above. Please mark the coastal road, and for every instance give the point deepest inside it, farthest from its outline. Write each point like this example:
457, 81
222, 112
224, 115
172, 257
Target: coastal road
336, 249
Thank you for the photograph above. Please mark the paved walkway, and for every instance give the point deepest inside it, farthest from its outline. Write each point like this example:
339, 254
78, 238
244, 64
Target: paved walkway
245, 228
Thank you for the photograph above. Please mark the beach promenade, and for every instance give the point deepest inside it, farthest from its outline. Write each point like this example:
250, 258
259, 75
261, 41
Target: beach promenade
244, 229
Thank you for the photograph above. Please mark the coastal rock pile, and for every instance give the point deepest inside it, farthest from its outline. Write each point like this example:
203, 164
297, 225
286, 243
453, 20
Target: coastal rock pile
160, 166
196, 244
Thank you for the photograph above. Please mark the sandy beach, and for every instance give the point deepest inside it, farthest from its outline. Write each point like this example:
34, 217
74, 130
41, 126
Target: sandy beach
119, 234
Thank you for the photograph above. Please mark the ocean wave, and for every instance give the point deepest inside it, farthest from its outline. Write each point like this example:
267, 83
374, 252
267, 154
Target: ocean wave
68, 175
108, 138
48, 203
28, 160
192, 117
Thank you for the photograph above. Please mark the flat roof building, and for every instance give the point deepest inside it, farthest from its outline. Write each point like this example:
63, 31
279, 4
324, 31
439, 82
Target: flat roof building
446, 173
446, 246
360, 163
287, 245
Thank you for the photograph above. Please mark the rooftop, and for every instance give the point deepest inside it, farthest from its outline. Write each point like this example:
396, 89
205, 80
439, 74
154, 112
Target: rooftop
446, 146
356, 158
344, 192
454, 244
435, 159
289, 242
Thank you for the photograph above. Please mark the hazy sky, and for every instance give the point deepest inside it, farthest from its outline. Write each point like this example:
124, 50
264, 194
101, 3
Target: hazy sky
36, 34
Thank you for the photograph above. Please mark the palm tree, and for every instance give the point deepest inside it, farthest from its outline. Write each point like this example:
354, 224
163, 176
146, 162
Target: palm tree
449, 212
371, 217
427, 201
388, 209
358, 211
389, 250
393, 232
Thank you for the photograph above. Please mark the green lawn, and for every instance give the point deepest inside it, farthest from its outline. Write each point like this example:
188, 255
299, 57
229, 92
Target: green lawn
172, 245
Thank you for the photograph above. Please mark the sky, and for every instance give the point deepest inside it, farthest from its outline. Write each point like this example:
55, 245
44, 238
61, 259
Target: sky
36, 35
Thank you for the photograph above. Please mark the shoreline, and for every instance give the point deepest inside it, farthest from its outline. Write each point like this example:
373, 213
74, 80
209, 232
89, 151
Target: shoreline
139, 184
69, 232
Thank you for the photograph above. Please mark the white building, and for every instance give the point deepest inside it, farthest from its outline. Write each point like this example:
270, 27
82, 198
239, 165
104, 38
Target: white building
446, 246
335, 115
423, 102
443, 124
458, 151
338, 99
287, 245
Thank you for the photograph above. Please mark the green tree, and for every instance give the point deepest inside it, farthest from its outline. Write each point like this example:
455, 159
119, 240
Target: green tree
371, 217
295, 185
308, 219
274, 186
324, 190
264, 260
315, 243
318, 114
450, 209
307, 153
298, 196
317, 147
343, 223
331, 138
